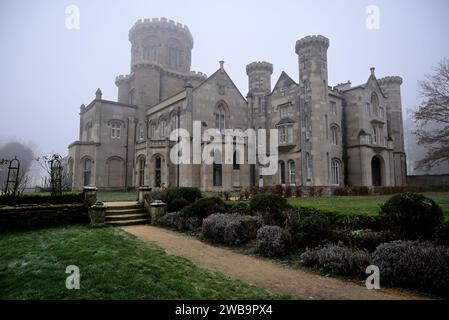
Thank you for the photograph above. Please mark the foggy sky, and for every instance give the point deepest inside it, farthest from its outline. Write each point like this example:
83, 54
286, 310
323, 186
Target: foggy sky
48, 71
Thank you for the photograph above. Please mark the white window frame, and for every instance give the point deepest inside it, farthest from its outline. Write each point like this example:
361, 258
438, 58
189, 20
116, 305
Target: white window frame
333, 108
334, 135
292, 172
336, 172
116, 130
220, 119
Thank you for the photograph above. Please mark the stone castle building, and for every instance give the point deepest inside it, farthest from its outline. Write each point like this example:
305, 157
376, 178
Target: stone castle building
328, 136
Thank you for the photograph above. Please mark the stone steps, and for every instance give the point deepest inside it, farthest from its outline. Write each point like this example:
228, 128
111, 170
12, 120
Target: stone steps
126, 214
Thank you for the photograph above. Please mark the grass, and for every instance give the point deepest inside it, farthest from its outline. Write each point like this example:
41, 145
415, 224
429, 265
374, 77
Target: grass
107, 196
113, 265
368, 205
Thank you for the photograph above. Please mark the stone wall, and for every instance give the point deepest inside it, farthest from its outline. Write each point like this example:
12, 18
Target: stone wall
41, 216
429, 180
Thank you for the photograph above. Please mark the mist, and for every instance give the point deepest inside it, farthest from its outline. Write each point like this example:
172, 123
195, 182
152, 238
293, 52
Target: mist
49, 70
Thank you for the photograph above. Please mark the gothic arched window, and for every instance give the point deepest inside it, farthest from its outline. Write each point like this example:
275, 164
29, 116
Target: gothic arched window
334, 134
375, 103
220, 119
292, 171
336, 171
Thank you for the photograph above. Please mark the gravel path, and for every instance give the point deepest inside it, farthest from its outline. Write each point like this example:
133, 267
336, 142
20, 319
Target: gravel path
261, 272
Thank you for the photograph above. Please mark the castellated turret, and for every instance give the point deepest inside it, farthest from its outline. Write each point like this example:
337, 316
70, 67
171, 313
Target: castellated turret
163, 42
259, 77
160, 62
312, 57
312, 63
391, 86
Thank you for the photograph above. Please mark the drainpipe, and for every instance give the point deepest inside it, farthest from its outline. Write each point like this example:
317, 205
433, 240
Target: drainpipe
126, 156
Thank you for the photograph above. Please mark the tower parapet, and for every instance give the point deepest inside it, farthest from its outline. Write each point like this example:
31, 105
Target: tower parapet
163, 42
259, 76
386, 81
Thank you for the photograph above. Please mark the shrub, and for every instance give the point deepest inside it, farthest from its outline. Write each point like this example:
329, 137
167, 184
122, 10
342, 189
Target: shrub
172, 219
370, 240
288, 191
442, 234
204, 207
270, 206
340, 191
156, 194
179, 221
414, 264
413, 215
360, 190
309, 229
272, 241
278, 189
188, 193
358, 222
311, 191
230, 229
238, 207
177, 205
298, 191
337, 259
253, 190
226, 195
66, 198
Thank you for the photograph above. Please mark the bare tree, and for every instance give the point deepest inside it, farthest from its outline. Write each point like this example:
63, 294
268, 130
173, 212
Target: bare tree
432, 116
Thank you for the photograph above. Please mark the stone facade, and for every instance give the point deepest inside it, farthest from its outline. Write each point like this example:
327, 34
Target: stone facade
328, 136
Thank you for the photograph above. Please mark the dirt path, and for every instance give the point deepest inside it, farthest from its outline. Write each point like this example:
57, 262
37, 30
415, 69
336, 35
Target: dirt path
261, 272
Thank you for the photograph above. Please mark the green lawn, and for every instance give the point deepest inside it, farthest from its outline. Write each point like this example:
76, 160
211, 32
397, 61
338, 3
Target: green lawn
116, 196
368, 205
113, 265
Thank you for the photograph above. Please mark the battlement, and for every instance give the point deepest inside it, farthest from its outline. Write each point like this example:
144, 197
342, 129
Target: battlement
121, 78
142, 24
259, 65
342, 86
317, 40
195, 74
386, 81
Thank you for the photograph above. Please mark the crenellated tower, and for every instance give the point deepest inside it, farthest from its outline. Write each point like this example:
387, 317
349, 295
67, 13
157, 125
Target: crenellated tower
313, 77
259, 87
160, 62
391, 86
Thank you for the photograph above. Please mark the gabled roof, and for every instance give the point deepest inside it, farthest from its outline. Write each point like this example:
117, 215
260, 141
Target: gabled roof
227, 76
284, 81
372, 77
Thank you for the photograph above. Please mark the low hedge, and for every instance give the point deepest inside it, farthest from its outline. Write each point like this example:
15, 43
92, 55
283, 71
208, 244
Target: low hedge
415, 265
232, 229
238, 207
177, 205
271, 207
337, 259
204, 207
66, 198
42, 216
272, 241
188, 193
